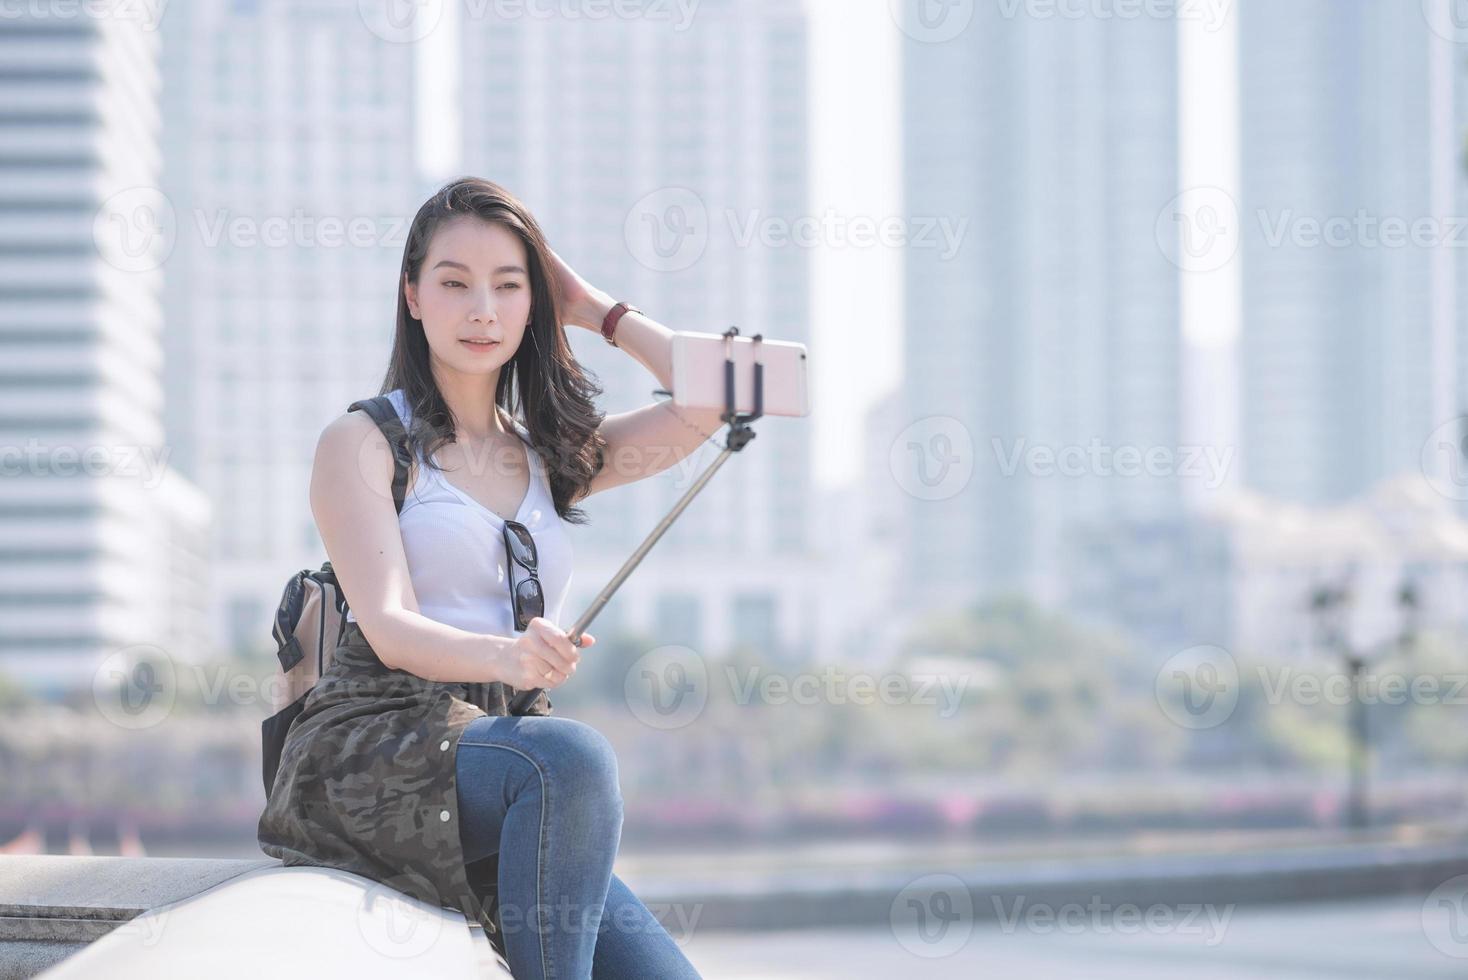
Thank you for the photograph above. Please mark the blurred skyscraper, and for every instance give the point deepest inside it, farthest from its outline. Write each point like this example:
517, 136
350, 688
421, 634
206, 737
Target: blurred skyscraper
289, 158
103, 544
862, 537
663, 160
1051, 339
1347, 351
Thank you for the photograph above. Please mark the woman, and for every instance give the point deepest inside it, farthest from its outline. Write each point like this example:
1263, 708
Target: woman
405, 765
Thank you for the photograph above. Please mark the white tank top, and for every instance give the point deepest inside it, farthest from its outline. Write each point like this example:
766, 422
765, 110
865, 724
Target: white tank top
456, 549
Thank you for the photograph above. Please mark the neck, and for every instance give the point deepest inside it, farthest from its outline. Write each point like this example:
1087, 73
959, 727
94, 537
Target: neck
471, 399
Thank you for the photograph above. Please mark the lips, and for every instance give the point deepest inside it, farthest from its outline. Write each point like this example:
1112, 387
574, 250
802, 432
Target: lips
481, 346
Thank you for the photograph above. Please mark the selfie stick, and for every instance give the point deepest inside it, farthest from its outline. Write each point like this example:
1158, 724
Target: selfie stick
739, 435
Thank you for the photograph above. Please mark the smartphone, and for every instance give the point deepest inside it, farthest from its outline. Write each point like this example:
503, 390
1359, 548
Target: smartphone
698, 373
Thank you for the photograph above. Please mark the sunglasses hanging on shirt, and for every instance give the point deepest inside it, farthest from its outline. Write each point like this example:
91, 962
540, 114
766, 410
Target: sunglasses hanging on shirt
527, 598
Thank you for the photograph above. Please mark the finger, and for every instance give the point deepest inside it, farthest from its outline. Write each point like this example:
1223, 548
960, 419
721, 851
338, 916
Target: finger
567, 648
551, 641
558, 656
558, 639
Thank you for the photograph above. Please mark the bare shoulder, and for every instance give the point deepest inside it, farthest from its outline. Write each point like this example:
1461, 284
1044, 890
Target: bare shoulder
352, 446
350, 425
352, 501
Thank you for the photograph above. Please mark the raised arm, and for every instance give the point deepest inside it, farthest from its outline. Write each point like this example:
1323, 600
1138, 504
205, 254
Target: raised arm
646, 440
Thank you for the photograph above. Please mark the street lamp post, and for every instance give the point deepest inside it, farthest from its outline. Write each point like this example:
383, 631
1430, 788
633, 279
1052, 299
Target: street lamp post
1330, 606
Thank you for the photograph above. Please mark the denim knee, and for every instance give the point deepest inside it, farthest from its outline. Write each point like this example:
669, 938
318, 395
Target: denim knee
585, 761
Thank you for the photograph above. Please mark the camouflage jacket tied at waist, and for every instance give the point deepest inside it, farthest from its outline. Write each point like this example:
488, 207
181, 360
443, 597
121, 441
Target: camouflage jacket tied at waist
367, 782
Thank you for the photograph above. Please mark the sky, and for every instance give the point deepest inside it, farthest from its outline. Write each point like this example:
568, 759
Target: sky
1211, 298
856, 168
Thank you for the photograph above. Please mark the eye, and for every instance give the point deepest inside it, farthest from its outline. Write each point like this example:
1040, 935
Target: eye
511, 285
453, 282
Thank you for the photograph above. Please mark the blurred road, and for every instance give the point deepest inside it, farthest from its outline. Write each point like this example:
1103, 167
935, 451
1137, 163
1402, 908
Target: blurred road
1375, 938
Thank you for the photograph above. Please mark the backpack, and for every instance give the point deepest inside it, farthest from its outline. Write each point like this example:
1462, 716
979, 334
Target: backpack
311, 616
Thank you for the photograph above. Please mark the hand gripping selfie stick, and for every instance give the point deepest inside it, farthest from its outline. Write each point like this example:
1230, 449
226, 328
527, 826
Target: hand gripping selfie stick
739, 435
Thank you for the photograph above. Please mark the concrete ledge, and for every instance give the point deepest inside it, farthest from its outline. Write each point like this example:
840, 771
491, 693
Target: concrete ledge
298, 921
52, 906
101, 914
57, 897
22, 959
57, 930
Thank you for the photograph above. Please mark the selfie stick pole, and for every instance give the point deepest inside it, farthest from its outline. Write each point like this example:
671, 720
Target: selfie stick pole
739, 435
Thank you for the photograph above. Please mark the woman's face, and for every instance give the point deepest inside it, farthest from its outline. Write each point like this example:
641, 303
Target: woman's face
473, 285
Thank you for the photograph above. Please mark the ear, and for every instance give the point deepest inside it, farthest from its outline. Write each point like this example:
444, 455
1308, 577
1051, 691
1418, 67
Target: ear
410, 295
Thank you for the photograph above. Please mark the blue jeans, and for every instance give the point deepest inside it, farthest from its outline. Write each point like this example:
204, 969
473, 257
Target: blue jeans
541, 792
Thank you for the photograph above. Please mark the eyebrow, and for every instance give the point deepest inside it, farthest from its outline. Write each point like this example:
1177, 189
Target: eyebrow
460, 265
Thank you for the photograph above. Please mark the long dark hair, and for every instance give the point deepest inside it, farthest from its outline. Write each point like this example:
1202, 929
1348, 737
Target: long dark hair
555, 392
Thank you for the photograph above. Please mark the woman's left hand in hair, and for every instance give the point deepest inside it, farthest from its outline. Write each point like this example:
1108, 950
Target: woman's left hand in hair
584, 305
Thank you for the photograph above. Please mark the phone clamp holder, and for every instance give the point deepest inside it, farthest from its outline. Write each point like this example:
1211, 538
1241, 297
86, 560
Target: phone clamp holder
739, 431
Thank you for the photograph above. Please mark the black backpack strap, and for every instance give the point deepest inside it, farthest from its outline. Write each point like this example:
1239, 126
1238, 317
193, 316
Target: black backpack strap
382, 412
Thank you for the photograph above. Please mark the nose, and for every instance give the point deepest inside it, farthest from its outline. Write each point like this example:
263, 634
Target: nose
484, 307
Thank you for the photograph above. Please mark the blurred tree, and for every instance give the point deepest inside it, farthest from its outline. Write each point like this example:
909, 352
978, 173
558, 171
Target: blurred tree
1054, 696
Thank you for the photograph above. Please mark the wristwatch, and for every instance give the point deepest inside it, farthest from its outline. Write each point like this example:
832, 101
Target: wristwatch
609, 325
